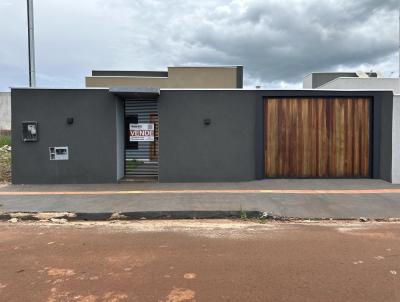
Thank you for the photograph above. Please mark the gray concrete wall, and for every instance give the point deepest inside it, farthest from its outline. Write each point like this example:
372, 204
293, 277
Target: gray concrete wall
396, 140
318, 79
120, 122
392, 84
239, 77
223, 151
91, 138
307, 81
232, 147
5, 111
382, 135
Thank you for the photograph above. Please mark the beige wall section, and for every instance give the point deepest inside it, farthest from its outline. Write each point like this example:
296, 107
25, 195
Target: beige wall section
126, 81
178, 77
202, 77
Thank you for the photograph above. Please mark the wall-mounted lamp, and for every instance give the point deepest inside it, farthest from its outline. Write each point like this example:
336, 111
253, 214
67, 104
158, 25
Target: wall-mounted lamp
207, 121
70, 120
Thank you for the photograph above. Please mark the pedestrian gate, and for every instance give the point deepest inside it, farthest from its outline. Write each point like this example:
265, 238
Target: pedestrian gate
141, 139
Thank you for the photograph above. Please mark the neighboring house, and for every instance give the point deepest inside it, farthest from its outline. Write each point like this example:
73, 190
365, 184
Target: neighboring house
366, 81
175, 77
203, 127
5, 112
317, 79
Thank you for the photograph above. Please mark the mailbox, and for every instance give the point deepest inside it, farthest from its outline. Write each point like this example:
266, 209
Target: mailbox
59, 153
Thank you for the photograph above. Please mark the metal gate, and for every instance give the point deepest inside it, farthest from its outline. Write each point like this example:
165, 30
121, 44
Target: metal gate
141, 158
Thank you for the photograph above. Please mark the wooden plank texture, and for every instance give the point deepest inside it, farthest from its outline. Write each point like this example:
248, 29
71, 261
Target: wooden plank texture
317, 137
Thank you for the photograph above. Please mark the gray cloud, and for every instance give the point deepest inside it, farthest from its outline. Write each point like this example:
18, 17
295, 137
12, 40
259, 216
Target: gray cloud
282, 42
278, 42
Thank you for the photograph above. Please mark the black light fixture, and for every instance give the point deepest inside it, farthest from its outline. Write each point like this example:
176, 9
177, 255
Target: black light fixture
70, 120
207, 121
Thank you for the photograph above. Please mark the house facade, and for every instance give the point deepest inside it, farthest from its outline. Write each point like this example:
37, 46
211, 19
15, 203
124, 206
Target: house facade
198, 134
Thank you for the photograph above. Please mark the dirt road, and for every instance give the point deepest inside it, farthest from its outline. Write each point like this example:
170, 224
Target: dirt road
199, 261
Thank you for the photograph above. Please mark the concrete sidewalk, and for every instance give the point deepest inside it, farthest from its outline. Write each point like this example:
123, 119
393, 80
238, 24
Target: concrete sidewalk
338, 199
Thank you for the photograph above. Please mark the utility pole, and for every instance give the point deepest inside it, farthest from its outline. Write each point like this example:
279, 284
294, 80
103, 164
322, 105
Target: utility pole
31, 45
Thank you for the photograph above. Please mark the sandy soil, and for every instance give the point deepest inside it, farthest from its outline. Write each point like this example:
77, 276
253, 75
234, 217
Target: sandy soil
199, 260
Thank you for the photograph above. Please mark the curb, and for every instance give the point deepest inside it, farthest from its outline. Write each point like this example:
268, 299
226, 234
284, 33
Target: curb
139, 215
172, 215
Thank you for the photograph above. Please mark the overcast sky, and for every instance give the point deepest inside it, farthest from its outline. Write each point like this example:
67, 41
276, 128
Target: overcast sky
277, 41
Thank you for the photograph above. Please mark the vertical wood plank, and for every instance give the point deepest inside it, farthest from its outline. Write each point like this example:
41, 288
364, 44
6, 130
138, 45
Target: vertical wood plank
310, 137
365, 141
272, 137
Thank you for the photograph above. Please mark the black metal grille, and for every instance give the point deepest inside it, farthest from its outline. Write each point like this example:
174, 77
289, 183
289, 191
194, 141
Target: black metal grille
143, 161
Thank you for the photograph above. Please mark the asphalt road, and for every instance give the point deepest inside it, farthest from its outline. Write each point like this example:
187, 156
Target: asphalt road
199, 261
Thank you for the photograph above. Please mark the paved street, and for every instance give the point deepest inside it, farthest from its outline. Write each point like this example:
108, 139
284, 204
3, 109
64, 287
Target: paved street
303, 198
199, 260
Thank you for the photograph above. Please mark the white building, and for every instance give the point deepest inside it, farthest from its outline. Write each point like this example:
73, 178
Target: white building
5, 111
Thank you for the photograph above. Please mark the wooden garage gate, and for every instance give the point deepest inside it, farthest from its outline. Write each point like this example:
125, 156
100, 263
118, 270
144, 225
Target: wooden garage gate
317, 137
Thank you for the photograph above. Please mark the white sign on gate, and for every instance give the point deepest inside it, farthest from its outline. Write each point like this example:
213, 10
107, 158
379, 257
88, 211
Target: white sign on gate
141, 132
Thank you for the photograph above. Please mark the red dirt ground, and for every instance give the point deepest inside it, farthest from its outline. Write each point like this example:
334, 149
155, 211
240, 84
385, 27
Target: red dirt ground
199, 261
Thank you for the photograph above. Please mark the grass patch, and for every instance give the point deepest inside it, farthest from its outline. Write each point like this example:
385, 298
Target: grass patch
243, 214
5, 166
5, 140
5, 159
132, 164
